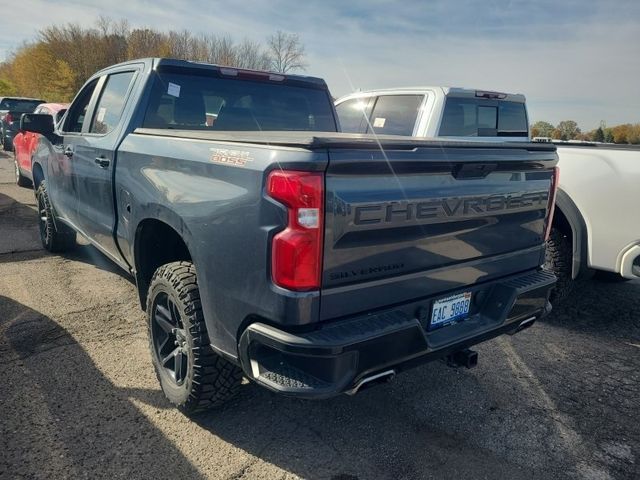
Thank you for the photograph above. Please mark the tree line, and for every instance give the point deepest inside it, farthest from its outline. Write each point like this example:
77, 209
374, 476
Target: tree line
569, 130
57, 63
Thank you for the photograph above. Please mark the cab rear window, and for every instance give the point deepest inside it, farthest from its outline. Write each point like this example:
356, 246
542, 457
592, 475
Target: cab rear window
201, 102
17, 105
474, 117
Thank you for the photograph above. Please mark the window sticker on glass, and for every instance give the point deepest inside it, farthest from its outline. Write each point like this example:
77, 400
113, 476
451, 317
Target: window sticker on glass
101, 113
173, 90
379, 122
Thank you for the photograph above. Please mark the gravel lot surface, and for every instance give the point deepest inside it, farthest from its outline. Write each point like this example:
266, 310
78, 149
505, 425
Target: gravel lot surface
78, 397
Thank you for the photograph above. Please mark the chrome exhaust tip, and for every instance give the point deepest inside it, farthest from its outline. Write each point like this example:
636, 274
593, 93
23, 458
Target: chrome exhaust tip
385, 376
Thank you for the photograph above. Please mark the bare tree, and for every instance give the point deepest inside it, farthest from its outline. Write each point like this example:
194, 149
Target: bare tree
286, 52
251, 55
144, 42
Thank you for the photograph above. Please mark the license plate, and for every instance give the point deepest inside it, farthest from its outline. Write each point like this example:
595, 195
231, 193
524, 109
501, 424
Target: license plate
447, 310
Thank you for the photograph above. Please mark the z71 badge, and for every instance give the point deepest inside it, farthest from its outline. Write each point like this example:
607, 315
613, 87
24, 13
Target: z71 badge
234, 158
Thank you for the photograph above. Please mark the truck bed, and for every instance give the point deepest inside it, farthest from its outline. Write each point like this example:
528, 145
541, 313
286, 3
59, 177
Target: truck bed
321, 140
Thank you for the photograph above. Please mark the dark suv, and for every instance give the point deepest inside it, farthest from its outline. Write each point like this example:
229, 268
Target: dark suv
11, 109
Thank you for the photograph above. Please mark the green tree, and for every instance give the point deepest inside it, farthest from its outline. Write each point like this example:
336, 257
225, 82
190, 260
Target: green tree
634, 134
598, 135
608, 136
7, 88
63, 56
541, 129
568, 130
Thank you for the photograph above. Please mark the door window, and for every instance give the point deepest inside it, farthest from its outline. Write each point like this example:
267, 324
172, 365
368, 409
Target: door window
111, 104
78, 109
396, 114
354, 114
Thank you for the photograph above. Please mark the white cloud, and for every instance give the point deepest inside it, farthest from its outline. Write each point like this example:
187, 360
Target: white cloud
572, 59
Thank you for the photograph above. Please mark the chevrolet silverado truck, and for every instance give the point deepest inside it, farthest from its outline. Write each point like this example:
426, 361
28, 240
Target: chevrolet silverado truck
589, 234
595, 230
455, 113
263, 243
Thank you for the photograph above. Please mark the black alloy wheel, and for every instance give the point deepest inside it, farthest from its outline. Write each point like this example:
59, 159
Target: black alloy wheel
169, 339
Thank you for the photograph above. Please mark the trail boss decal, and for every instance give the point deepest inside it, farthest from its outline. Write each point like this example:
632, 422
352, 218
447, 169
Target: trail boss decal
235, 158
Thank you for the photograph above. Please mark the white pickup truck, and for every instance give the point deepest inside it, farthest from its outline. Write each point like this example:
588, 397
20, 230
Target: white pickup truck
596, 225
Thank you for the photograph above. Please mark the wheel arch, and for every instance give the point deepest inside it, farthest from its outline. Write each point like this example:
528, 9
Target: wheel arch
156, 243
37, 174
569, 220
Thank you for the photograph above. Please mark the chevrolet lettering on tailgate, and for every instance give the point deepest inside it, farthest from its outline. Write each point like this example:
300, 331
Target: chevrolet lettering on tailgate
442, 208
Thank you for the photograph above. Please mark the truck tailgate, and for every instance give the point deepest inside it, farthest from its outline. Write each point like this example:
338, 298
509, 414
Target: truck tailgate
414, 222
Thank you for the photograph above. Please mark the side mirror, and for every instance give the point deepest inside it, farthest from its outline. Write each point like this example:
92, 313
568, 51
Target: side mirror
37, 123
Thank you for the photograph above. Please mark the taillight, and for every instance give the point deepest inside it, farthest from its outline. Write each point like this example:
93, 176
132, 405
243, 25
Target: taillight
8, 118
555, 179
296, 252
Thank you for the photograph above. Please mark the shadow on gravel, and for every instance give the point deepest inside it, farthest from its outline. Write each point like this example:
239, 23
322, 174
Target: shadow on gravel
377, 434
20, 221
608, 309
65, 416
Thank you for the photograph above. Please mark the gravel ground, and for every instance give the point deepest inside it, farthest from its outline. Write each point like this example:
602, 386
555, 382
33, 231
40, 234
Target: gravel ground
78, 398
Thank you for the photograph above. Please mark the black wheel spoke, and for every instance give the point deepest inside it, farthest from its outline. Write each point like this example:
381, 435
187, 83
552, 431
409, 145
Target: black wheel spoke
170, 338
178, 365
171, 356
164, 318
164, 343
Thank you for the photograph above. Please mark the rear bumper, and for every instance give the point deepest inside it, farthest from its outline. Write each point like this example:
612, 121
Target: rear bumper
336, 357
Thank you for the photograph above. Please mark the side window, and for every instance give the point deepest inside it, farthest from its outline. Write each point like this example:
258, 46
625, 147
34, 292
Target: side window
396, 114
78, 109
353, 114
109, 108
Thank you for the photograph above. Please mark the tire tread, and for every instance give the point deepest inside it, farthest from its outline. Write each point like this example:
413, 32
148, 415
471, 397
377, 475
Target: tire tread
214, 380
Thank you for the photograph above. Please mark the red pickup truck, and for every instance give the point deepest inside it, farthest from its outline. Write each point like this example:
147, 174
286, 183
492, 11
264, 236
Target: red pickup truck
25, 143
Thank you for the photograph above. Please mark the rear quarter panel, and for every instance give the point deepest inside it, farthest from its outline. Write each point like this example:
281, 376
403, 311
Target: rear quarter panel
223, 216
604, 185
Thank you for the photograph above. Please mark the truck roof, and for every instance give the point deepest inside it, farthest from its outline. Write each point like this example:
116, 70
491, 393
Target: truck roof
160, 62
447, 91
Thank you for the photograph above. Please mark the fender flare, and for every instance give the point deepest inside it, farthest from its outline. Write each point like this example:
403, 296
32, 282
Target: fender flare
168, 218
575, 220
36, 166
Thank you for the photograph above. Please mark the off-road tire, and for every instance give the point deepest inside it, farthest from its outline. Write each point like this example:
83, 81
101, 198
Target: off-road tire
210, 380
21, 180
559, 259
55, 235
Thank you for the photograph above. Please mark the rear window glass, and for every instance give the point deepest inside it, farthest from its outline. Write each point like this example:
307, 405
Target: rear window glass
396, 114
191, 102
471, 117
24, 106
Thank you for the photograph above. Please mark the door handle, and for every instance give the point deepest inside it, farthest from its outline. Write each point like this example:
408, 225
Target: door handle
102, 162
68, 152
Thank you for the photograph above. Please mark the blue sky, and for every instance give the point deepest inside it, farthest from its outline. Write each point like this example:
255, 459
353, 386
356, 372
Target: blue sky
572, 59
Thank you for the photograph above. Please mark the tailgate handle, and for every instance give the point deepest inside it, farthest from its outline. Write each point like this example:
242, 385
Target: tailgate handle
473, 170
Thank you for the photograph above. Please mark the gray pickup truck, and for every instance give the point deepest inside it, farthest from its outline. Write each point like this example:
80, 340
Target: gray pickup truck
265, 243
